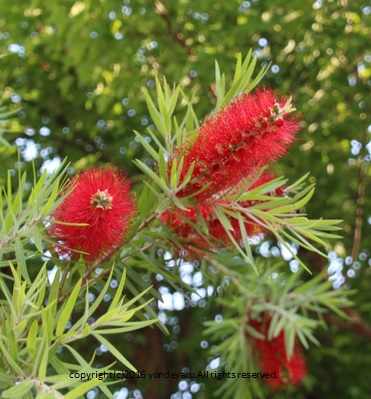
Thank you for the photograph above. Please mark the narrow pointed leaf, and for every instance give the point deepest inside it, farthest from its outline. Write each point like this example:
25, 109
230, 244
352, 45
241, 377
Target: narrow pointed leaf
67, 310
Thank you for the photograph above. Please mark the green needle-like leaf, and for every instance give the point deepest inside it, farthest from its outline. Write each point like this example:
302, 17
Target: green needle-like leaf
67, 310
18, 390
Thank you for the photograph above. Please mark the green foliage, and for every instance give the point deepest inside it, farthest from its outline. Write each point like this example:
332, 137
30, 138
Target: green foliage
291, 302
34, 362
7, 125
87, 93
241, 81
33, 335
40, 319
281, 216
295, 308
21, 220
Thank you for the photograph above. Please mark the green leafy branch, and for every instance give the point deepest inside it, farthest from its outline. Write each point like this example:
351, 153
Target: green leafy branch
21, 220
7, 124
242, 80
294, 307
281, 216
33, 333
278, 215
174, 132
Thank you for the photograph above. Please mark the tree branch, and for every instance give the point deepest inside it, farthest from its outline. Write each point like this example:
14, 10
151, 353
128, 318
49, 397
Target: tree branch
355, 324
362, 179
163, 12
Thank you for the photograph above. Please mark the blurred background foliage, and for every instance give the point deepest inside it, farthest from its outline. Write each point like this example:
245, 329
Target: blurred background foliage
73, 73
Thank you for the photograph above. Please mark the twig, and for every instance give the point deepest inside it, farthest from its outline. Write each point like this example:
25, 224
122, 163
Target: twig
355, 324
146, 222
163, 12
223, 269
87, 279
359, 211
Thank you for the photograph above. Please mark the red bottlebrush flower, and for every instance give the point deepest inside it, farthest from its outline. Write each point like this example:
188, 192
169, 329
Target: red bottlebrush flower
273, 358
235, 143
178, 220
101, 199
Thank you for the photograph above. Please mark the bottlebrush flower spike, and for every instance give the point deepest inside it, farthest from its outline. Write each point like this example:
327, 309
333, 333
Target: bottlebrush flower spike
250, 133
177, 219
101, 199
273, 358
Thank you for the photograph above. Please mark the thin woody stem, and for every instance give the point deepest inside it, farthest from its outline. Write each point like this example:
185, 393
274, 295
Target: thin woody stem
63, 281
359, 212
222, 269
87, 277
146, 222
